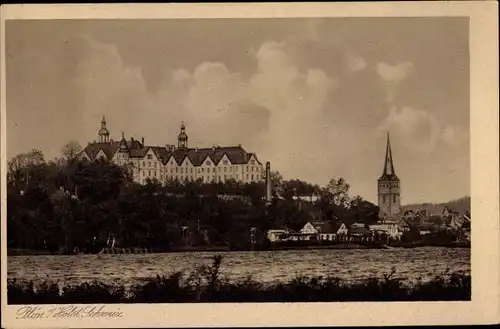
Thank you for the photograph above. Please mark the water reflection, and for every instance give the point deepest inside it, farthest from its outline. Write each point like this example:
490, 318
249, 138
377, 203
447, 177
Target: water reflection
264, 266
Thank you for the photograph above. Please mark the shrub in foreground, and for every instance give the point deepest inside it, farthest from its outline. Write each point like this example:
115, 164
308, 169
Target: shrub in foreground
205, 284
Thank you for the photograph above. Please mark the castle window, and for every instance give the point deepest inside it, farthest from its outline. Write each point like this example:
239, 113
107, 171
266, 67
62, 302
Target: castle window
208, 163
155, 164
394, 198
225, 162
176, 170
191, 170
202, 169
154, 173
214, 170
219, 169
150, 156
384, 198
149, 173
225, 169
252, 176
182, 170
252, 162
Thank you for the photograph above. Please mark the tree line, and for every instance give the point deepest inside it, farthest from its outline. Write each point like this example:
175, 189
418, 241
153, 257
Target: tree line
65, 203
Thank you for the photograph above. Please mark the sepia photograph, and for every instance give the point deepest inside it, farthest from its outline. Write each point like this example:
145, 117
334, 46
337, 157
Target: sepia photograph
236, 160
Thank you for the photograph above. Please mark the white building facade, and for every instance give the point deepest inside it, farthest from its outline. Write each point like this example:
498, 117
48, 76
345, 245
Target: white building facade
170, 162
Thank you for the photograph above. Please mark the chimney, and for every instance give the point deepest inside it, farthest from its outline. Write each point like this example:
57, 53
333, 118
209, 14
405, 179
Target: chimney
196, 149
131, 139
213, 148
268, 183
142, 140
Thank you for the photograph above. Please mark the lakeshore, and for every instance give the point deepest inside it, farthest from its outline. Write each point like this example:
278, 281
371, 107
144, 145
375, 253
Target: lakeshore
208, 283
351, 265
270, 247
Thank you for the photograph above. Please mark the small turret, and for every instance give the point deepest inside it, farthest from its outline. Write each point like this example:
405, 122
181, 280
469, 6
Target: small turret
183, 137
103, 132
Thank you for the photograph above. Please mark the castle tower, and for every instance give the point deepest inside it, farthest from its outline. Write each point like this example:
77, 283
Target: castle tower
182, 138
103, 132
123, 144
123, 151
389, 188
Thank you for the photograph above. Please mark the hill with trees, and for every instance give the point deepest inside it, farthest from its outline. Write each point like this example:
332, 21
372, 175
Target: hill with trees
461, 205
66, 203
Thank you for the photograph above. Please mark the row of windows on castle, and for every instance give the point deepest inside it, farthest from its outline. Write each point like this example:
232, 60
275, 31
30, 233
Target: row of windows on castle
154, 169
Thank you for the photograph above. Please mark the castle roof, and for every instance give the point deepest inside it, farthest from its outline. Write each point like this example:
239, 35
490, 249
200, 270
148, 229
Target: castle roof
235, 154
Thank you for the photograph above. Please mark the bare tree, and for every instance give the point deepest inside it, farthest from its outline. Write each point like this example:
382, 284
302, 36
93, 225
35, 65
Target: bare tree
71, 150
18, 166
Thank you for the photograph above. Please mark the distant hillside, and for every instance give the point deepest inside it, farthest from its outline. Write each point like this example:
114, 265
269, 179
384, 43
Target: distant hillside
461, 205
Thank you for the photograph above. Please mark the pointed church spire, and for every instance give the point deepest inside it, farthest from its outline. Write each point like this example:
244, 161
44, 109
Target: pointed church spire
388, 165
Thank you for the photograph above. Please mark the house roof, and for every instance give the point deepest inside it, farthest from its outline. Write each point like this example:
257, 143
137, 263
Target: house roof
404, 222
359, 231
108, 148
235, 154
330, 227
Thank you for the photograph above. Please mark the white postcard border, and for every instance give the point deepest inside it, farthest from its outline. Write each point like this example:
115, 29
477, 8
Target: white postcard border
484, 307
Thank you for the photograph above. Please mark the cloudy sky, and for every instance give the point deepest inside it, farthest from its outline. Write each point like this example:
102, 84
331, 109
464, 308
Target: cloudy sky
315, 97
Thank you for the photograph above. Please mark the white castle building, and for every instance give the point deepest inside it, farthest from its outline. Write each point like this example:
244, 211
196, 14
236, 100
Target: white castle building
170, 162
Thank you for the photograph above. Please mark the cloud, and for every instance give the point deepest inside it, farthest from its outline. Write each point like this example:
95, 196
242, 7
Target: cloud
261, 111
393, 75
280, 106
418, 129
455, 136
106, 86
449, 135
354, 63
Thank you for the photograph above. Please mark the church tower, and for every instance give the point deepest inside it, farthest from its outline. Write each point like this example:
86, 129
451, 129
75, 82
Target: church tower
389, 197
103, 132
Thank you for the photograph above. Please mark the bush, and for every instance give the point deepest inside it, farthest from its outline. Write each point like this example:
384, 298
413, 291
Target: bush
205, 284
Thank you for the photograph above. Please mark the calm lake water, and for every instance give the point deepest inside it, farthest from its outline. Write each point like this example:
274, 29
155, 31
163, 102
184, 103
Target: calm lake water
264, 266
